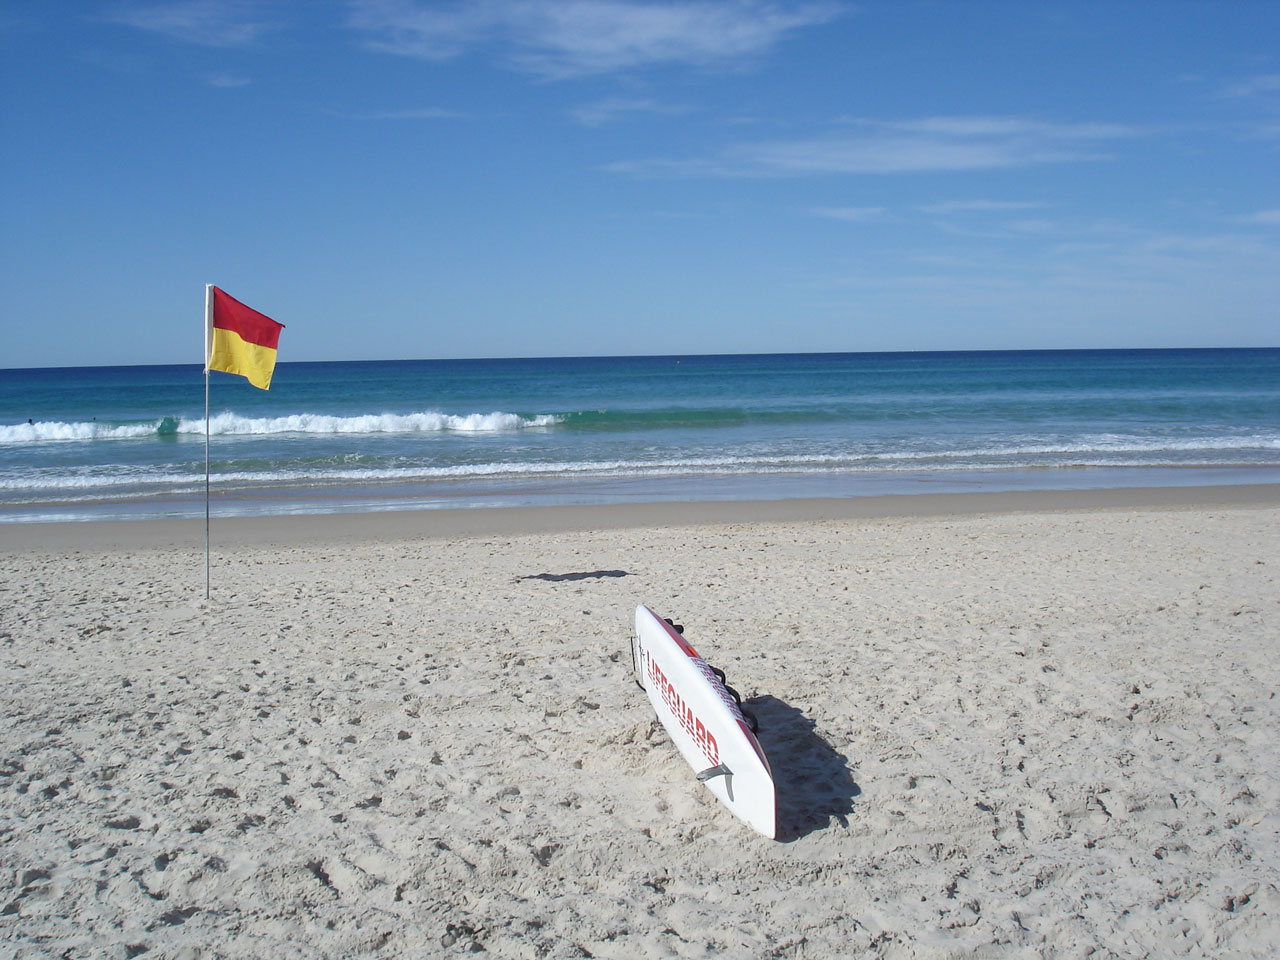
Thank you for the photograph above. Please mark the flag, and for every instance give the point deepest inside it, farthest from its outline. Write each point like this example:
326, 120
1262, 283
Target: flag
239, 339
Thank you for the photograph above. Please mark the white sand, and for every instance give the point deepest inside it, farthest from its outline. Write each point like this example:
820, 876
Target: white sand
1022, 734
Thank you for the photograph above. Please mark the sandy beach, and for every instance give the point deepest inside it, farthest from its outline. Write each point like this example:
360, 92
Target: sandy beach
1001, 725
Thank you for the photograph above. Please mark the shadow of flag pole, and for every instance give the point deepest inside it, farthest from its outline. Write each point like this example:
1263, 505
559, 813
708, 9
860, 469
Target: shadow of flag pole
239, 340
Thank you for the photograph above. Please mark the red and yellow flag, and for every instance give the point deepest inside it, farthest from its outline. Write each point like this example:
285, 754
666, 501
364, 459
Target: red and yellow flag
241, 340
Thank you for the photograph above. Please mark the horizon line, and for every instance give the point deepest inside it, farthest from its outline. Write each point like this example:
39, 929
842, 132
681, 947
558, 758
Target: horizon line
673, 356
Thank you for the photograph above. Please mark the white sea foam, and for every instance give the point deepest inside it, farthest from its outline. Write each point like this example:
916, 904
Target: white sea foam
232, 424
1106, 444
86, 430
315, 423
1122, 453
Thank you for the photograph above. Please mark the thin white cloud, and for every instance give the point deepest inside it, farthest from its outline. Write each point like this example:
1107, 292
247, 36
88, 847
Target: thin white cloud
228, 81
210, 23
851, 214
1270, 218
929, 145
601, 112
999, 232
1140, 263
561, 38
1208, 255
1253, 86
1030, 226
952, 207
997, 127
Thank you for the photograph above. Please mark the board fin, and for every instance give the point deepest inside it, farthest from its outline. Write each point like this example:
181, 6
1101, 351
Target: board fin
719, 770
637, 655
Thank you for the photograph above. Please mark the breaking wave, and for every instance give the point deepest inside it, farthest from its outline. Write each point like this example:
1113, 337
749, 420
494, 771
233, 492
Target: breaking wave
231, 424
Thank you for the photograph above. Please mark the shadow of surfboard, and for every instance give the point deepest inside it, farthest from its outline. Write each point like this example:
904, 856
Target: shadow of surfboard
813, 780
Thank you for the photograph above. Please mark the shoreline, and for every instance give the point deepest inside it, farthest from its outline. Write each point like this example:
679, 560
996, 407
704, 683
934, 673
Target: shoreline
562, 519
254, 502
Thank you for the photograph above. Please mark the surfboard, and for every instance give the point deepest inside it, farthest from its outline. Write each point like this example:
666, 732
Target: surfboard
704, 722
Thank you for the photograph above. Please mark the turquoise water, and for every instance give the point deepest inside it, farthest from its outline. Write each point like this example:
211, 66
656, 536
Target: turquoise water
115, 442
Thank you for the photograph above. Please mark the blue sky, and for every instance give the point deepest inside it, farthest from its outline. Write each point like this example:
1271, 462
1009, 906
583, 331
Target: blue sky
396, 179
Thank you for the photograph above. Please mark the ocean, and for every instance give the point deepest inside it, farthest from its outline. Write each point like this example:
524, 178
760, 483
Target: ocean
129, 442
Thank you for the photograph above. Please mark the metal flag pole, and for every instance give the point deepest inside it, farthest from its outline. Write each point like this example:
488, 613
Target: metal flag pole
208, 329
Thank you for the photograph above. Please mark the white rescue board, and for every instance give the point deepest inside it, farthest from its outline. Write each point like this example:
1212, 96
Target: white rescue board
704, 722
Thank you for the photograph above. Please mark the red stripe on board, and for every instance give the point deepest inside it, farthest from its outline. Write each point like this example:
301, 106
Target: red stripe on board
675, 635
